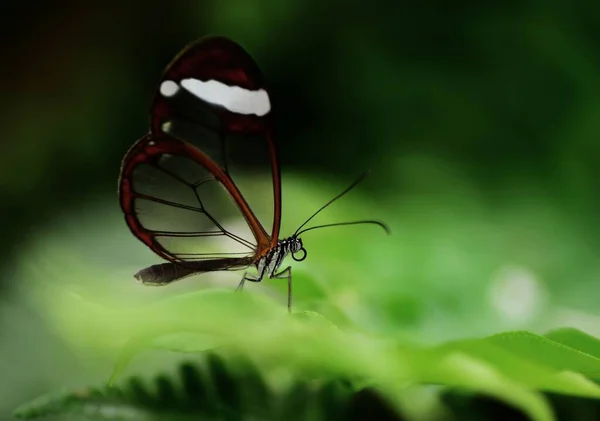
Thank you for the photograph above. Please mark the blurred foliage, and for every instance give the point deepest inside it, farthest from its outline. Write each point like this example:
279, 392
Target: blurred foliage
213, 391
291, 352
479, 121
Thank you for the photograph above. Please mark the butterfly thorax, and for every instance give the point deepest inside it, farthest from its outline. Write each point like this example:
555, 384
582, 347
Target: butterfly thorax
268, 265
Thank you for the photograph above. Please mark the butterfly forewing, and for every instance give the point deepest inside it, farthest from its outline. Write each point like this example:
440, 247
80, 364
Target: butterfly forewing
176, 185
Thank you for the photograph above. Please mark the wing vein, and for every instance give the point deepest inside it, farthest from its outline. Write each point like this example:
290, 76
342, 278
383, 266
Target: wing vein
168, 202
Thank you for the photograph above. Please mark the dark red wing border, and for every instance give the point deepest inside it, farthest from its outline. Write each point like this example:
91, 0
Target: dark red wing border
148, 150
220, 59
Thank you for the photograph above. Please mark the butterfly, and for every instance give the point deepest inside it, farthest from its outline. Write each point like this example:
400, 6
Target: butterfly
211, 96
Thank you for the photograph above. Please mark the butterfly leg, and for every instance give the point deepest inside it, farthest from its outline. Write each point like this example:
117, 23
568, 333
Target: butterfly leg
287, 274
244, 279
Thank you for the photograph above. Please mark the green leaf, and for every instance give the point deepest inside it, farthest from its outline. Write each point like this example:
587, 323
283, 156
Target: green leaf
527, 371
97, 404
551, 354
576, 339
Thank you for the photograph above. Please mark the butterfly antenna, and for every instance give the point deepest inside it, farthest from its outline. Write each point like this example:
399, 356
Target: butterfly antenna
335, 224
350, 187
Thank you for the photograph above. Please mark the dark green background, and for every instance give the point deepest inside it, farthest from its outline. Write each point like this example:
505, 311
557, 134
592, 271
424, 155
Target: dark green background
480, 121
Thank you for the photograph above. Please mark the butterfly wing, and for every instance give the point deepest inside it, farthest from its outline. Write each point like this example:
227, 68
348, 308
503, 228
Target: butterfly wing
211, 97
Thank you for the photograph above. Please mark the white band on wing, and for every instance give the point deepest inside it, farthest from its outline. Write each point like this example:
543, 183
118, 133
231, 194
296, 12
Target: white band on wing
233, 98
168, 88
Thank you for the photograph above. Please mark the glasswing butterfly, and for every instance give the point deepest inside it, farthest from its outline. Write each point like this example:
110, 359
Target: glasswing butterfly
211, 96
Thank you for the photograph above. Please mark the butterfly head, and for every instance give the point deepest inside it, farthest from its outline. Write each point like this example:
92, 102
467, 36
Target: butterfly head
294, 246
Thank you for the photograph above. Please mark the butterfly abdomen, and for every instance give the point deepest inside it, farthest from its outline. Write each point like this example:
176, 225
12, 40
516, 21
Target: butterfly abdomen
163, 274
